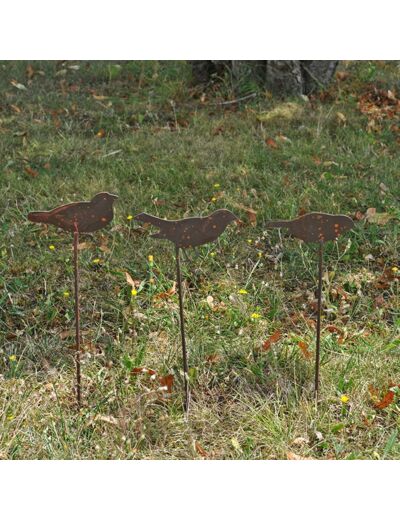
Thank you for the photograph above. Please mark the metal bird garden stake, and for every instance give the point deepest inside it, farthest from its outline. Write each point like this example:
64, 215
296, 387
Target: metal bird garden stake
188, 233
78, 217
320, 228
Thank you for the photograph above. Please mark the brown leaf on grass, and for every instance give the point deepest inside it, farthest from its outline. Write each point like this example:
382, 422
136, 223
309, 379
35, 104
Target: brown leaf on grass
143, 370
30, 72
293, 456
200, 450
30, 171
271, 143
386, 400
17, 85
67, 333
130, 280
304, 348
271, 340
213, 358
167, 294
251, 215
15, 108
83, 245
109, 419
342, 75
167, 381
373, 217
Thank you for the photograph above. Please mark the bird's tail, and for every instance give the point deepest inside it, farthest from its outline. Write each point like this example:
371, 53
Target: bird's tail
149, 219
38, 216
278, 224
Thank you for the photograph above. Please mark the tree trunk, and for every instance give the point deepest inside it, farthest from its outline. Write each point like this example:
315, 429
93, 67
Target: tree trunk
282, 78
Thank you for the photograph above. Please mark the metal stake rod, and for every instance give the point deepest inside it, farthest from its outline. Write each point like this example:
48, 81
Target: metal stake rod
182, 324
77, 320
318, 344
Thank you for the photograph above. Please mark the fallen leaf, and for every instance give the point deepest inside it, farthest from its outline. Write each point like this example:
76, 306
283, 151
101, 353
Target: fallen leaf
67, 333
287, 110
293, 456
83, 245
271, 340
30, 171
143, 370
271, 142
109, 419
200, 450
133, 283
167, 294
167, 381
15, 108
30, 71
373, 217
304, 348
385, 401
236, 445
17, 85
210, 301
341, 118
300, 441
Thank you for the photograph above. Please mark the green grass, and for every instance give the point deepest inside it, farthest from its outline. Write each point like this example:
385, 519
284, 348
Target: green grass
140, 131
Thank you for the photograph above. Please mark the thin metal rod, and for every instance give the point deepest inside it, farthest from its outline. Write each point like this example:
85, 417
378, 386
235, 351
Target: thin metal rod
318, 343
77, 321
182, 325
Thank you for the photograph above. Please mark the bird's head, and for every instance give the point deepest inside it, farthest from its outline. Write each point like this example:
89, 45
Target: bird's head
225, 216
104, 197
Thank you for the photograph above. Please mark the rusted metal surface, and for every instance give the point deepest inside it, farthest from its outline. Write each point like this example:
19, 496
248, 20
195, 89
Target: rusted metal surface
320, 228
182, 325
319, 311
190, 232
87, 216
77, 321
78, 217
315, 227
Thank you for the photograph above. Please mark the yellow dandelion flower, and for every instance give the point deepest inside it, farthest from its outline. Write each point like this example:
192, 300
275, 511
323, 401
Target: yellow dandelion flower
13, 358
129, 217
133, 292
395, 269
259, 254
10, 417
242, 291
344, 398
66, 294
213, 253
96, 261
249, 241
213, 199
217, 185
150, 258
255, 316
51, 247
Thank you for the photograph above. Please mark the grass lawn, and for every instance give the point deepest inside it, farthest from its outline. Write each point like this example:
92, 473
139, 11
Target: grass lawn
71, 129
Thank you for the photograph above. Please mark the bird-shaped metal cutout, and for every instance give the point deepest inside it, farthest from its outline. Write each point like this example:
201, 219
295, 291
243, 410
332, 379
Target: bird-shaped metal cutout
190, 232
78, 217
320, 228
315, 227
84, 217
187, 233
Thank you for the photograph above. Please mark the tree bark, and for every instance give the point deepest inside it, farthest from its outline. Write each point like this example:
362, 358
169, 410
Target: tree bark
281, 77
